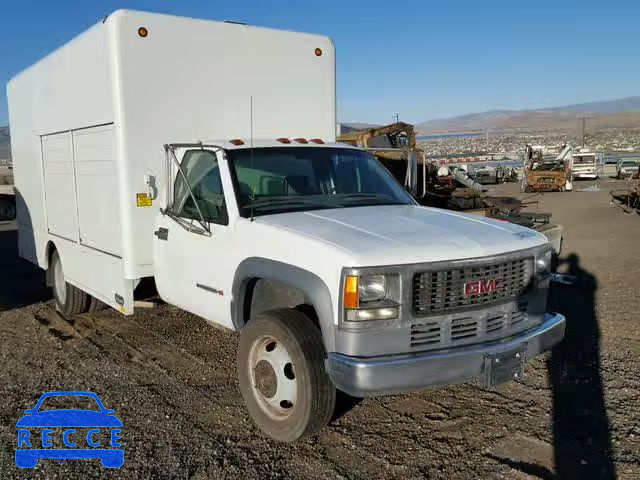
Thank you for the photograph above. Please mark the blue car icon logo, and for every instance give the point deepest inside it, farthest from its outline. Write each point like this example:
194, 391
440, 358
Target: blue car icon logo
69, 433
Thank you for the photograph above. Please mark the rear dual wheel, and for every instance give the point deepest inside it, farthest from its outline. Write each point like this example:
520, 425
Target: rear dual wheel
70, 300
282, 377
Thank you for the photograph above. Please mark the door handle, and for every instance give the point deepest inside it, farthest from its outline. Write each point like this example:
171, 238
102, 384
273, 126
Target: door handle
162, 233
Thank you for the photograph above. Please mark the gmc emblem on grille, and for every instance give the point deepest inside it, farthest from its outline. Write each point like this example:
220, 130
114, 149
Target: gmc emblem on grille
472, 289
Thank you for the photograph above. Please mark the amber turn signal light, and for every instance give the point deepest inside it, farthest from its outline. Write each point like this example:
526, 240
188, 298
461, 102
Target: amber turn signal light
351, 292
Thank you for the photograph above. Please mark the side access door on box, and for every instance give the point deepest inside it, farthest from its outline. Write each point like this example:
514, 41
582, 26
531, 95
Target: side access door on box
81, 191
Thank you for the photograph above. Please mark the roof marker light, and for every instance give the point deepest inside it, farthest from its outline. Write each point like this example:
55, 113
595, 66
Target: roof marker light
316, 140
318, 52
143, 32
300, 140
283, 140
236, 141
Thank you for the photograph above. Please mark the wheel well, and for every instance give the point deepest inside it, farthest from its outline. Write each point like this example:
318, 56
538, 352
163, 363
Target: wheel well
263, 294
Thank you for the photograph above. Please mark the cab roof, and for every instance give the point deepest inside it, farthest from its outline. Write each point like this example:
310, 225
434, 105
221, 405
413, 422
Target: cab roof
234, 144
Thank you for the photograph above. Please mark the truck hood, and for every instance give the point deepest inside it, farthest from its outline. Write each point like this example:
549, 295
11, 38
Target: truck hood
397, 234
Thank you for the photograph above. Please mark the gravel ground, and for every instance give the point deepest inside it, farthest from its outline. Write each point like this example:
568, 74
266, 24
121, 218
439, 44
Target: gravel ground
170, 377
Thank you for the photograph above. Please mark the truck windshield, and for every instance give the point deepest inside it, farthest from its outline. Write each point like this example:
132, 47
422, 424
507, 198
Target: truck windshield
277, 180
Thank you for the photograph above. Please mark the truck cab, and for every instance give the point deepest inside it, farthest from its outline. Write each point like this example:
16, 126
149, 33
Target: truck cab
388, 296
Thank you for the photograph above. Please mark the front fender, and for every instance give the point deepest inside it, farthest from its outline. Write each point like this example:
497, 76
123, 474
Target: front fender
313, 287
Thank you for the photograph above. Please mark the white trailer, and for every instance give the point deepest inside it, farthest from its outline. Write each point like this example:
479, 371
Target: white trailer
585, 164
202, 155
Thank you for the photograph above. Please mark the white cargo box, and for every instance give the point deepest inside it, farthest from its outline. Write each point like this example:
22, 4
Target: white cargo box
88, 124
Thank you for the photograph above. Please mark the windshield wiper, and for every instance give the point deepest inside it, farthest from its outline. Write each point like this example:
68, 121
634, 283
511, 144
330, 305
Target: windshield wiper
281, 202
377, 197
266, 205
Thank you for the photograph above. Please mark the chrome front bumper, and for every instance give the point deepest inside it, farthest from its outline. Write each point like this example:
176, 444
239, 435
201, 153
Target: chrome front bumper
390, 374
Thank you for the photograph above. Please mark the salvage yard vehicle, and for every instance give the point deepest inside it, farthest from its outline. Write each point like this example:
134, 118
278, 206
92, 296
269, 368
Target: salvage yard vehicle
547, 176
627, 168
7, 199
586, 164
485, 175
202, 155
394, 146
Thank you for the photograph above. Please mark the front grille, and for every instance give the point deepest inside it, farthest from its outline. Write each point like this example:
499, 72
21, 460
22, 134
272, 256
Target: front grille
443, 291
464, 329
426, 334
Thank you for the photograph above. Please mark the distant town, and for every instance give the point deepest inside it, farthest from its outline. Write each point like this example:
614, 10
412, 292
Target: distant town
611, 142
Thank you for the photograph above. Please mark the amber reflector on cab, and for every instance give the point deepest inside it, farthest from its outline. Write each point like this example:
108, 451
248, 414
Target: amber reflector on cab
283, 140
236, 141
143, 32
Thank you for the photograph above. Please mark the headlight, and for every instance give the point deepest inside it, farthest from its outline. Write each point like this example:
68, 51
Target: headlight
371, 297
543, 263
372, 288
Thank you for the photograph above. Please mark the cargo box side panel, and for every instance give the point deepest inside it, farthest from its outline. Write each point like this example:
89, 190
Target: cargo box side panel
97, 188
191, 80
69, 89
59, 185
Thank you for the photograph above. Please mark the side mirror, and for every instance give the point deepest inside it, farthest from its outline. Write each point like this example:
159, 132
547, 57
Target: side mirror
29, 411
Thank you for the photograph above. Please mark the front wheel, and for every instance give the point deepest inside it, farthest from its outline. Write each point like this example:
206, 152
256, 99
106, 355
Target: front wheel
282, 377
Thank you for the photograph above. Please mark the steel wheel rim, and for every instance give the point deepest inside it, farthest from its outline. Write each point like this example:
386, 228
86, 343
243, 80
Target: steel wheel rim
59, 282
273, 378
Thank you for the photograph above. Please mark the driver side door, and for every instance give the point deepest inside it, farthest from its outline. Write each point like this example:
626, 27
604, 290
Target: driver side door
192, 238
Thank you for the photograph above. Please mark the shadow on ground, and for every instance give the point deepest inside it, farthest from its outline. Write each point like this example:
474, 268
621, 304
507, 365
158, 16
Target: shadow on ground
21, 283
581, 430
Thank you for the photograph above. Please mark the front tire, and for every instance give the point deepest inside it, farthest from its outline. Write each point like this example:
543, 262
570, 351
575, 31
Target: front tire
285, 386
70, 300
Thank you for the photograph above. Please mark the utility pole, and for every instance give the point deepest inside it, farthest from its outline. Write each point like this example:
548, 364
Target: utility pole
584, 135
486, 147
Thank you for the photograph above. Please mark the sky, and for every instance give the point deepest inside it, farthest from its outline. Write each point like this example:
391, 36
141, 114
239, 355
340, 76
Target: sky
419, 59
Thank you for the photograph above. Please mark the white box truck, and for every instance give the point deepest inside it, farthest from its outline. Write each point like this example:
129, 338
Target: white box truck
202, 155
